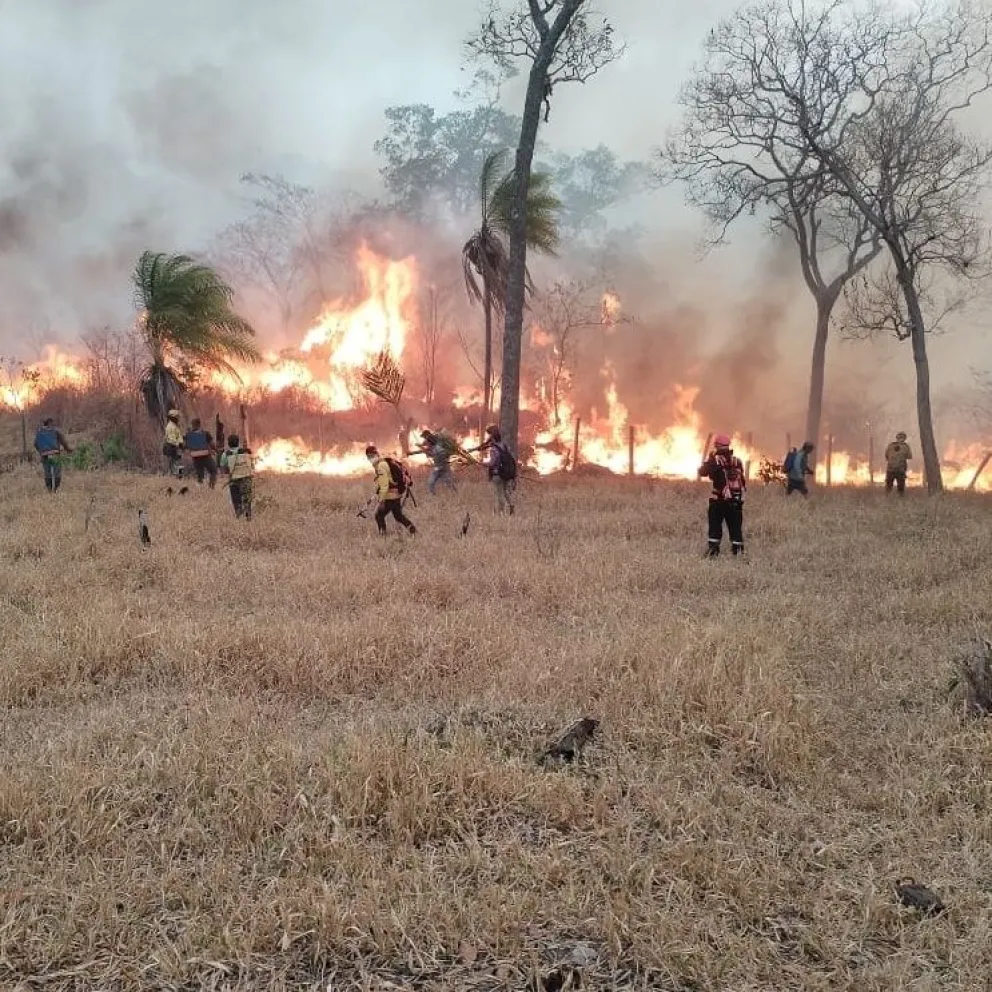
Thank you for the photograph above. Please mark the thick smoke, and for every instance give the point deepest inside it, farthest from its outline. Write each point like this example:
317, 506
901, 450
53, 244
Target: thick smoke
126, 126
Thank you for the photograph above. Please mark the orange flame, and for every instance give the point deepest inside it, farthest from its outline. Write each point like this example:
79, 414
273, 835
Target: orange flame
344, 340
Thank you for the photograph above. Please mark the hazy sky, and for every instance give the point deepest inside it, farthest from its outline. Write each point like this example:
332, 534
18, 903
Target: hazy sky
124, 124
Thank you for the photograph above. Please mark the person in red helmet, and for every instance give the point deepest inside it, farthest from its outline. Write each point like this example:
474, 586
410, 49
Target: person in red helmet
726, 473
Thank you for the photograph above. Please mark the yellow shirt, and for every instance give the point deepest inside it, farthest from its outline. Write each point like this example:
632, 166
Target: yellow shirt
173, 435
384, 487
239, 464
897, 455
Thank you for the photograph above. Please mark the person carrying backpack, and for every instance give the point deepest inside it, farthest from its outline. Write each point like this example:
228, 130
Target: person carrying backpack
200, 446
391, 484
439, 448
240, 467
726, 473
796, 468
49, 443
502, 468
898, 454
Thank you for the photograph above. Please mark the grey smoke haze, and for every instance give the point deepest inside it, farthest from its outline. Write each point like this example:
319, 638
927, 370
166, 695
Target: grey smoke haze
125, 124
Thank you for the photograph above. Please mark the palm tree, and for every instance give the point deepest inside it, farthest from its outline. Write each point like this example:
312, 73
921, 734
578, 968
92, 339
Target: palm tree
485, 256
187, 321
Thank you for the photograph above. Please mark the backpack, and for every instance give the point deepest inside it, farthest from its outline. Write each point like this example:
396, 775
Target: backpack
506, 465
734, 476
790, 460
401, 477
446, 444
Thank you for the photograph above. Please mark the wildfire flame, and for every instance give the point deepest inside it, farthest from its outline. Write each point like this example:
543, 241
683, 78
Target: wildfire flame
348, 339
344, 341
610, 308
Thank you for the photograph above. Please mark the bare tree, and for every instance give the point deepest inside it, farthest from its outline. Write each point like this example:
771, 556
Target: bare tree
875, 305
260, 252
560, 313
562, 41
432, 331
913, 173
115, 360
868, 104
736, 158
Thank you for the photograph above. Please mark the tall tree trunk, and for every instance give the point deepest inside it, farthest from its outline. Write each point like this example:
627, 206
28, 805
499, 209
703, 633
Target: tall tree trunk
814, 407
917, 336
487, 374
516, 283
509, 408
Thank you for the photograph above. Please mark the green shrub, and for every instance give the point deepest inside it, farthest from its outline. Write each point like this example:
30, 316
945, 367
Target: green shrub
115, 449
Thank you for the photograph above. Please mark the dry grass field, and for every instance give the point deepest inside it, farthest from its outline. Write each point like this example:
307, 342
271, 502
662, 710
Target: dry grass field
289, 755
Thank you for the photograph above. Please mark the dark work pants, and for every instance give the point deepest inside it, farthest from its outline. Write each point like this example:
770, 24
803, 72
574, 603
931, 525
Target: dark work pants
796, 486
241, 497
731, 513
53, 472
394, 507
205, 465
895, 478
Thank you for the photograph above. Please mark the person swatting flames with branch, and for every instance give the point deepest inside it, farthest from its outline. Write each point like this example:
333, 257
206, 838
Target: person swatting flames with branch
726, 473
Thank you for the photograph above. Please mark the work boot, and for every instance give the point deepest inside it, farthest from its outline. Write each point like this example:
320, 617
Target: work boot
713, 551
738, 549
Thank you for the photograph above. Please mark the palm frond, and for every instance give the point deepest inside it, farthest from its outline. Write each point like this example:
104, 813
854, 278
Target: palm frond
485, 264
187, 310
493, 175
543, 208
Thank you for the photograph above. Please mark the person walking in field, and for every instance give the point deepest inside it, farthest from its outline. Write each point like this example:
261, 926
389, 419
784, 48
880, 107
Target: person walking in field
502, 468
797, 469
240, 467
172, 446
50, 443
391, 485
897, 458
201, 448
439, 448
726, 474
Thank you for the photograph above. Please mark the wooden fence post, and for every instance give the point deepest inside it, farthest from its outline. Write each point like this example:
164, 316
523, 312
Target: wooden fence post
630, 449
575, 444
871, 456
830, 456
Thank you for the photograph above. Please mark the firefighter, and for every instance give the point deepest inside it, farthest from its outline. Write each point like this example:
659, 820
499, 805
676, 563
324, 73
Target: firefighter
201, 448
797, 469
726, 474
172, 446
391, 485
50, 443
240, 467
502, 469
897, 457
439, 448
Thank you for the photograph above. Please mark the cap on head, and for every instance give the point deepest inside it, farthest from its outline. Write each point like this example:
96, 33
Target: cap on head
371, 451
808, 446
426, 435
173, 415
901, 436
722, 440
494, 432
47, 422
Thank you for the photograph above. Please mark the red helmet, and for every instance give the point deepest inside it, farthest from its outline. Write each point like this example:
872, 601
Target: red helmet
722, 441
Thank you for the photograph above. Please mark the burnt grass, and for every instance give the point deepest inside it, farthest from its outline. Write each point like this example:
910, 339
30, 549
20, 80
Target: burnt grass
289, 755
